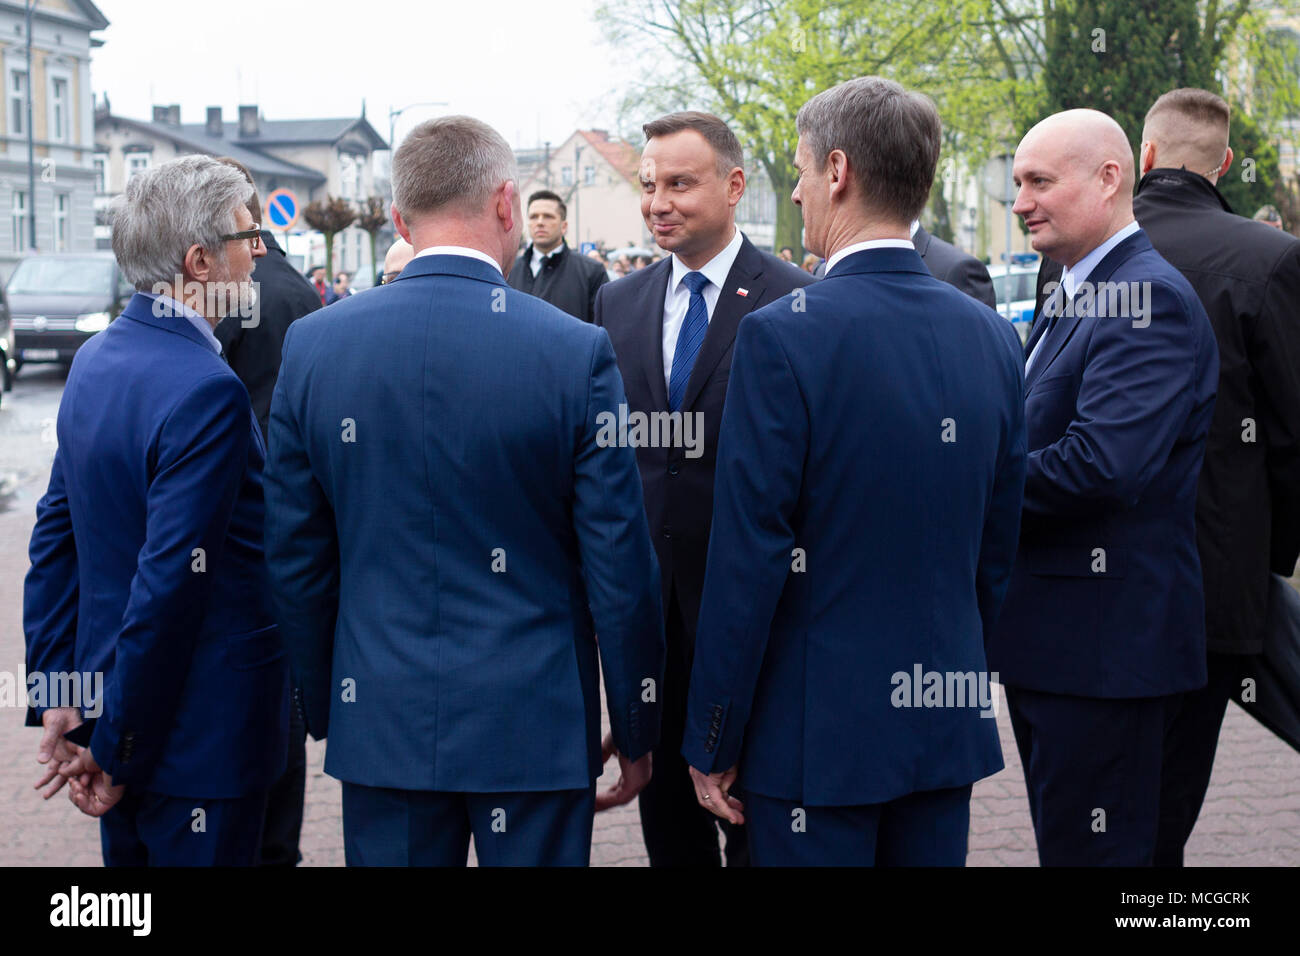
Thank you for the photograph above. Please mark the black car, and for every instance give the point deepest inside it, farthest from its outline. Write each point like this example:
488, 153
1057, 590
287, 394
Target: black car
59, 301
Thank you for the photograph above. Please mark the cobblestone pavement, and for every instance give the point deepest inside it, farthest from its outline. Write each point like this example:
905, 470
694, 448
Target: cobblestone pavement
1251, 814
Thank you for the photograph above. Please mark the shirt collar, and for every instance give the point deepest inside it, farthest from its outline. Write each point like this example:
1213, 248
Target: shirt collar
916, 224
459, 251
1071, 276
166, 305
538, 255
715, 270
869, 244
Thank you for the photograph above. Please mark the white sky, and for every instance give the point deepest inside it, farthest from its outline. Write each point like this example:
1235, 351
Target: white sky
533, 69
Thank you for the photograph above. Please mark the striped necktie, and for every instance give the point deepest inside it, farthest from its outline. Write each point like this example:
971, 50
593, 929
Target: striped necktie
689, 339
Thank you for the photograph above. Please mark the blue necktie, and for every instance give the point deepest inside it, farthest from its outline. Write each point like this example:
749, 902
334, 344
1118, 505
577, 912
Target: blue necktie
689, 339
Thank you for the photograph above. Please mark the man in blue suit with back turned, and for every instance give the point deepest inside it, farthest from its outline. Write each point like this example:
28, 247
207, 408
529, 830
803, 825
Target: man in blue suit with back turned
866, 510
450, 532
1104, 624
146, 557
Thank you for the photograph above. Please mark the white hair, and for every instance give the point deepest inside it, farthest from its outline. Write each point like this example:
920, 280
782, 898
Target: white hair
171, 207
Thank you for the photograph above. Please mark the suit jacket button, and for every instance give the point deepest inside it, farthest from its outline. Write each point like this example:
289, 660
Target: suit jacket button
673, 469
668, 534
708, 748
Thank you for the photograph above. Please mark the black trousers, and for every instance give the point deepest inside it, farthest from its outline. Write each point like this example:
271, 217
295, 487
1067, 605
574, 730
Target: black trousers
677, 830
1191, 739
283, 824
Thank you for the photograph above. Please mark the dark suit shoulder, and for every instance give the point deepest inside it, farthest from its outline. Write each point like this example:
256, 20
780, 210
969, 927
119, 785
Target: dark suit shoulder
784, 275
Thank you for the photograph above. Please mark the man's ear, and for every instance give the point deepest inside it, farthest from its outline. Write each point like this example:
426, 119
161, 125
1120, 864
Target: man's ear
399, 224
1147, 158
197, 264
507, 202
735, 186
837, 168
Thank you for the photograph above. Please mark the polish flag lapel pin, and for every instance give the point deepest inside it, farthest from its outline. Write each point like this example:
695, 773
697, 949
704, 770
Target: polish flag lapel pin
742, 292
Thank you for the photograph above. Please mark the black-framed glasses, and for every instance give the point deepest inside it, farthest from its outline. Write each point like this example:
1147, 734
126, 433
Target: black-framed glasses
388, 277
254, 235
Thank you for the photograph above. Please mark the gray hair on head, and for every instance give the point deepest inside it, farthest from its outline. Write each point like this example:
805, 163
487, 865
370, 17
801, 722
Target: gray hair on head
449, 161
890, 136
169, 208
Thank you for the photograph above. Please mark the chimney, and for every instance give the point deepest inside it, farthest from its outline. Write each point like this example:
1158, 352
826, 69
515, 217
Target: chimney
160, 114
247, 121
174, 114
214, 126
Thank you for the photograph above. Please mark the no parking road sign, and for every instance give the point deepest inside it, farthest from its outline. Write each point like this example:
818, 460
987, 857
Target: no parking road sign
281, 209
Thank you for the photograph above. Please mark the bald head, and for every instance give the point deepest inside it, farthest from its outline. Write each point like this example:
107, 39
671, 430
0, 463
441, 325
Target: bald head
399, 254
1074, 176
1187, 129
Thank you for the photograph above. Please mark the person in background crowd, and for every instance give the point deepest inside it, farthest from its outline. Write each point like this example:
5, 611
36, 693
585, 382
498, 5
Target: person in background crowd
786, 254
164, 593
673, 325
1269, 216
810, 261
399, 254
548, 269
322, 287
253, 350
342, 286
1103, 628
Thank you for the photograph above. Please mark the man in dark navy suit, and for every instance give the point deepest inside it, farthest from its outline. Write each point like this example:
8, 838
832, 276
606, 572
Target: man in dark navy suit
452, 524
674, 347
147, 561
1104, 624
867, 504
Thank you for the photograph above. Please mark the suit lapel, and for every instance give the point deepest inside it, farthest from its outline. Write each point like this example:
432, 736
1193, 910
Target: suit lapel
650, 332
746, 272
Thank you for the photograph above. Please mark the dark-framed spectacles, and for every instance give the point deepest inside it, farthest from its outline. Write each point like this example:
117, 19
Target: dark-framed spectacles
253, 235
388, 277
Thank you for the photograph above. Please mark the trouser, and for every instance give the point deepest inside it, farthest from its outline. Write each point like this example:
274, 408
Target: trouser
927, 828
1092, 769
152, 829
1191, 739
677, 830
283, 826
387, 827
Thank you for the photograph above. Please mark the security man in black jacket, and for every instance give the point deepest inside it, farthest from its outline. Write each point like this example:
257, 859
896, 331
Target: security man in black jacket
1247, 275
548, 268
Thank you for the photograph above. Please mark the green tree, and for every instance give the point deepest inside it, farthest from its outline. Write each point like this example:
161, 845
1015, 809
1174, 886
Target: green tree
329, 217
372, 217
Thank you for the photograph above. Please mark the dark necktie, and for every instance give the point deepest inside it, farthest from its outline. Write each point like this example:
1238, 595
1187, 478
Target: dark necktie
689, 339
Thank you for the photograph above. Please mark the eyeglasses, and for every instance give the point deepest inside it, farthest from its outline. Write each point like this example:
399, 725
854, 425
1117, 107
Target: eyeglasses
254, 235
388, 277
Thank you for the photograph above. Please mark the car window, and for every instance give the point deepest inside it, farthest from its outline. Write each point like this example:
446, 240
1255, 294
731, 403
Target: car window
62, 275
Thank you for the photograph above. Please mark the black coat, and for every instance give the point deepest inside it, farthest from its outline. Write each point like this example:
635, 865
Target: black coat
960, 270
566, 280
283, 295
679, 490
1247, 276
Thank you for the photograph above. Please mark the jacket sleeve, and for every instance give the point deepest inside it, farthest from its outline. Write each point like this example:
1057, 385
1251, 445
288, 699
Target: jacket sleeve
51, 589
972, 277
302, 552
762, 446
201, 461
1273, 347
619, 565
597, 279
1134, 399
1001, 536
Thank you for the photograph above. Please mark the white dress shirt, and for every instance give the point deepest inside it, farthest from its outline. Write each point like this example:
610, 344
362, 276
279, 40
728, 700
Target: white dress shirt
678, 298
869, 244
540, 257
459, 251
1073, 276
165, 305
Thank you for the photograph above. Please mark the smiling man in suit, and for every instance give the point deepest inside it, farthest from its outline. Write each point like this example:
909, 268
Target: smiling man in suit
1104, 623
868, 497
673, 325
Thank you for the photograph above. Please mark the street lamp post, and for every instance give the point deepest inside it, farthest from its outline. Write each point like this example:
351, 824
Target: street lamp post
577, 183
31, 145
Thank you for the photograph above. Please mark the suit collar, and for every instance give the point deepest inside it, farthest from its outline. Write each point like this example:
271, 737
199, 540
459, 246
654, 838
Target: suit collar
921, 239
451, 265
747, 272
141, 309
879, 260
1133, 245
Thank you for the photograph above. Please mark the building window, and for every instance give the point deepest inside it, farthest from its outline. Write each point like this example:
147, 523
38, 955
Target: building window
101, 174
59, 109
20, 221
18, 102
566, 175
136, 163
589, 175
61, 222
